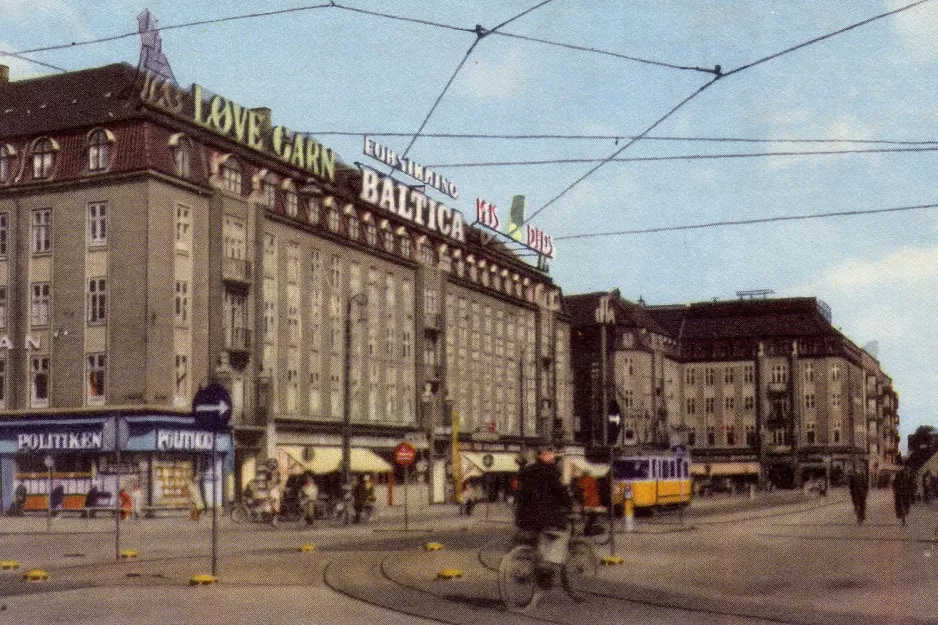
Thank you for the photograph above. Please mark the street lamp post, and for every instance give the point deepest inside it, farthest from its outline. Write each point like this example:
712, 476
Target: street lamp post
347, 389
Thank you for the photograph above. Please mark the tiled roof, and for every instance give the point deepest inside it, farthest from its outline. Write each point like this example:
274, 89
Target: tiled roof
101, 95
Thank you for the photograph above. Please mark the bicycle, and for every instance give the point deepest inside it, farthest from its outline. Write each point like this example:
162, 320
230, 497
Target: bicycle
524, 570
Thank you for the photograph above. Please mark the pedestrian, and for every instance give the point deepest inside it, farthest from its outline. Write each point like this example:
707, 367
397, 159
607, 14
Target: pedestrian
362, 495
19, 500
900, 495
56, 499
309, 493
586, 493
274, 499
91, 500
370, 497
126, 503
136, 501
858, 493
196, 503
464, 498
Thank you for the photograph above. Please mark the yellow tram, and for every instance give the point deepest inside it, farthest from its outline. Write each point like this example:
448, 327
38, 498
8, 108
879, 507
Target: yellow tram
655, 480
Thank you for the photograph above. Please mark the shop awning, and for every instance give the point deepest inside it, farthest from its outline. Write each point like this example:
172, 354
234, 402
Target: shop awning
329, 460
595, 469
723, 469
491, 461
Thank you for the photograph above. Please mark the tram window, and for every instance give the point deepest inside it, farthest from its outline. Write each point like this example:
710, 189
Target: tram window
630, 469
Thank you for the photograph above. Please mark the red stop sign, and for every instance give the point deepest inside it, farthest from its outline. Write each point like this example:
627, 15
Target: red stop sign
405, 454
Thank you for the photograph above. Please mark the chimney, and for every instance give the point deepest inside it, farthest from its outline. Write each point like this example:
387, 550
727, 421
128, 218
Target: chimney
4, 74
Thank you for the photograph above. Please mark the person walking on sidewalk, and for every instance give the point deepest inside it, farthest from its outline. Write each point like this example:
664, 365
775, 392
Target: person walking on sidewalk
900, 494
858, 492
196, 503
308, 495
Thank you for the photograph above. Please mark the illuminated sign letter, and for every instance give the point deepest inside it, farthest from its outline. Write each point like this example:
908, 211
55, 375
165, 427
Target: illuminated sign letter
281, 143
404, 208
255, 123
369, 187
298, 159
387, 195
221, 114
457, 227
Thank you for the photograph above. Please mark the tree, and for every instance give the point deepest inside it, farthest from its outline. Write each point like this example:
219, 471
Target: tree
923, 443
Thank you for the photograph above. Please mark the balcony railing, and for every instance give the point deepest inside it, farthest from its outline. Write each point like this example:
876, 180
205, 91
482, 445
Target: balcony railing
238, 339
433, 321
236, 270
777, 388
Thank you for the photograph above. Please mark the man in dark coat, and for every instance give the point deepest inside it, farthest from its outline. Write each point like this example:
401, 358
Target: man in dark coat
858, 492
900, 494
542, 501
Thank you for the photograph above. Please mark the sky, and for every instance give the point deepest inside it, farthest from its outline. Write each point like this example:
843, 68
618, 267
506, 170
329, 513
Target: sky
337, 70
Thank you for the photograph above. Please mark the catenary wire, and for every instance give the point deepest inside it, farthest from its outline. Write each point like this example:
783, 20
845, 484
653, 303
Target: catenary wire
719, 75
448, 135
680, 157
403, 19
746, 222
827, 36
480, 34
136, 33
18, 55
631, 142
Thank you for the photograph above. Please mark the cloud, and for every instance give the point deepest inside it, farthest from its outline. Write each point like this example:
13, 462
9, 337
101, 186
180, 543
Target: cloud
916, 30
500, 79
908, 266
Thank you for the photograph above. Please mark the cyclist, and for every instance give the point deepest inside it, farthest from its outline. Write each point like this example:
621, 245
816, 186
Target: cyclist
542, 510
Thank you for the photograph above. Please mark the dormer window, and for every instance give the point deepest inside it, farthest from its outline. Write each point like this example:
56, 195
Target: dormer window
44, 151
7, 163
354, 230
291, 201
406, 245
182, 154
334, 220
231, 175
99, 149
268, 191
312, 209
371, 234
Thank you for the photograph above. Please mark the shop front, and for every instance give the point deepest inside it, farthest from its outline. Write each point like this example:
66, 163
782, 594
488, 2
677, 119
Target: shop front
163, 453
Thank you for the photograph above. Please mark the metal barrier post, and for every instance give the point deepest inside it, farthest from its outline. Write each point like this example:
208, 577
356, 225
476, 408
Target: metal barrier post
629, 510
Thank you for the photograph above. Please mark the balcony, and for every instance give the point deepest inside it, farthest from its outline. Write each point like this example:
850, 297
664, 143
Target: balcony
236, 271
433, 322
777, 388
238, 339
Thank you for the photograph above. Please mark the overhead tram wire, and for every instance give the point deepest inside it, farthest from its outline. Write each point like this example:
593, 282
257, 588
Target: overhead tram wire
745, 222
680, 157
720, 74
480, 33
451, 135
19, 55
403, 19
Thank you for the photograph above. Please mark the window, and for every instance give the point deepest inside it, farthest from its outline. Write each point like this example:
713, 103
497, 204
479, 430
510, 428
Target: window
809, 400
748, 374
388, 241
7, 163
97, 224
690, 376
182, 380
708, 376
3, 307
334, 220
691, 405
181, 313
750, 436
426, 254
96, 378
182, 157
406, 246
43, 158
711, 435
731, 435
729, 375
811, 434
779, 374
231, 176
354, 229
749, 403
42, 231
99, 150
835, 372
312, 209
291, 203
708, 405
629, 366
39, 304
729, 403
809, 372
39, 381
628, 399
837, 427
183, 227
97, 301
4, 233
268, 191
371, 234
691, 438
835, 399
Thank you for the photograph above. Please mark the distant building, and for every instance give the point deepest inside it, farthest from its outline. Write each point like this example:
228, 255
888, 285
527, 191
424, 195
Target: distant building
153, 239
762, 388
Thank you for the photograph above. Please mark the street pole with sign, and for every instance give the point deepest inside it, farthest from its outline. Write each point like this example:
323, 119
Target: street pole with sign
362, 300
612, 431
211, 411
404, 456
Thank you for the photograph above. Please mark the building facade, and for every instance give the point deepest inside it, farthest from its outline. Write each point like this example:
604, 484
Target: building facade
154, 239
756, 389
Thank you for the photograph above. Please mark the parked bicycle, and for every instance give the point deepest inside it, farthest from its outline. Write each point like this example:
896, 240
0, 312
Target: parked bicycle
531, 567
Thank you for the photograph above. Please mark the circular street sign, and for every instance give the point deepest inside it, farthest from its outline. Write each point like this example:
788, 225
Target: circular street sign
405, 454
211, 407
488, 460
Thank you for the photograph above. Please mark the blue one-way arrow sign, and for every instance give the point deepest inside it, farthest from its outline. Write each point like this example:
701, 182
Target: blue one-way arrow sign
211, 407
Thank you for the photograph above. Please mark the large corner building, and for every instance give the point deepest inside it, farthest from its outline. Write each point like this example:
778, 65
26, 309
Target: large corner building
153, 239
